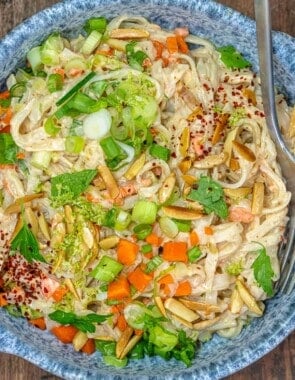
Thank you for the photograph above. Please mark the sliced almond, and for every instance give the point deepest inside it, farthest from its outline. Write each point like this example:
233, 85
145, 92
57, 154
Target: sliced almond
123, 341
250, 95
69, 283
159, 303
198, 111
220, 126
189, 179
244, 151
236, 302
257, 198
185, 164
237, 194
132, 342
134, 169
32, 220
200, 306
109, 181
180, 310
60, 255
79, 340
123, 34
117, 44
234, 164
69, 218
87, 237
58, 234
228, 144
109, 242
167, 187
18, 203
184, 141
44, 227
186, 190
103, 337
19, 225
247, 298
182, 321
205, 324
181, 213
211, 161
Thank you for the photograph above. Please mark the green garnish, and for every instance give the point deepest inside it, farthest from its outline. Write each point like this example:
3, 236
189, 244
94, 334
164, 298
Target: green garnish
263, 271
159, 151
232, 58
194, 254
135, 58
235, 268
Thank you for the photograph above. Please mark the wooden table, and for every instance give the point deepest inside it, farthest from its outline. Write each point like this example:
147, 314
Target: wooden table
277, 365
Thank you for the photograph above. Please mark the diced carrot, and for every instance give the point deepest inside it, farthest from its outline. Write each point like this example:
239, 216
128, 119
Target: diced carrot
154, 239
115, 309
208, 230
5, 94
139, 279
6, 117
184, 289
138, 332
59, 293
172, 45
60, 71
3, 301
165, 280
148, 255
107, 53
38, 322
159, 48
175, 251
182, 45
89, 347
119, 289
20, 156
121, 323
127, 252
166, 289
65, 334
194, 238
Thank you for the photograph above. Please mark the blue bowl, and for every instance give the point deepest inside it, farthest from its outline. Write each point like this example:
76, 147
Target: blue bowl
219, 357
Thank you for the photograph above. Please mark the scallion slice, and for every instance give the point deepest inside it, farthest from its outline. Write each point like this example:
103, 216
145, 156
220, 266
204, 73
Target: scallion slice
160, 152
91, 42
194, 254
84, 104
50, 127
183, 225
146, 248
74, 144
144, 212
153, 264
54, 83
142, 231
17, 90
95, 23
113, 152
34, 59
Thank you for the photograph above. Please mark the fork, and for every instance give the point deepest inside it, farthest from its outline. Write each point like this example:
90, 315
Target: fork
286, 253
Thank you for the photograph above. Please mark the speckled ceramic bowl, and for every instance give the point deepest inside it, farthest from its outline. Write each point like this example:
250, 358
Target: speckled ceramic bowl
219, 357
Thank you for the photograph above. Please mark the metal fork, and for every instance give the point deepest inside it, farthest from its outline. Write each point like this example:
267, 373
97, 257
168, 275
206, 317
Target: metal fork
286, 158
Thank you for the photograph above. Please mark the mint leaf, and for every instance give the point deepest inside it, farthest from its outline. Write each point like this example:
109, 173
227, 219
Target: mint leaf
263, 271
210, 195
26, 243
69, 186
232, 58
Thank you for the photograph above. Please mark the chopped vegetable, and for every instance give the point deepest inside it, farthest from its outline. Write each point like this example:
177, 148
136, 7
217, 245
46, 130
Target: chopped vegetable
184, 289
232, 58
144, 212
65, 334
139, 279
172, 44
154, 239
89, 347
38, 322
119, 289
95, 23
107, 269
74, 144
263, 271
127, 252
135, 58
97, 124
54, 82
142, 231
175, 251
153, 264
194, 254
235, 268
159, 151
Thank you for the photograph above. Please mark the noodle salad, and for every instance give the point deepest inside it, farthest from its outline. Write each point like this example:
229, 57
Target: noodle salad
141, 201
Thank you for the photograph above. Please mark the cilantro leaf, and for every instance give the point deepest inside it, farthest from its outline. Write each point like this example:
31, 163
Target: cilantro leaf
8, 149
26, 243
210, 195
68, 186
232, 58
84, 323
263, 271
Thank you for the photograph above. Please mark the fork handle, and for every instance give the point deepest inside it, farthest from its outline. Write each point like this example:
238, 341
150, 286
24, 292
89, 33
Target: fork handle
264, 42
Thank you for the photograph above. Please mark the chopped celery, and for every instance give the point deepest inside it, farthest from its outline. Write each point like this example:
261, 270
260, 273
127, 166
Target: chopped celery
183, 225
162, 338
91, 42
17, 90
107, 269
54, 82
41, 160
146, 248
144, 212
168, 227
123, 220
142, 231
96, 23
153, 264
112, 360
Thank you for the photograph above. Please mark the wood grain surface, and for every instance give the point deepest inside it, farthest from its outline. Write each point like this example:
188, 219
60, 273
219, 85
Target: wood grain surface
278, 364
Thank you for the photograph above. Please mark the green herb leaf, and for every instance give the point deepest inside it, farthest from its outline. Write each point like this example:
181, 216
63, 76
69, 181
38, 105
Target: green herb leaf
69, 186
135, 58
26, 243
232, 58
8, 149
210, 195
263, 271
194, 254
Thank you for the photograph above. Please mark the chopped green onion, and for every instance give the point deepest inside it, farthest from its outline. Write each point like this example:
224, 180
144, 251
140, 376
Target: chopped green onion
153, 264
76, 129
54, 82
22, 76
95, 23
113, 361
168, 227
160, 152
107, 269
113, 152
146, 248
138, 351
97, 124
74, 144
5, 103
123, 220
183, 225
64, 110
91, 42
135, 58
110, 218
142, 231
17, 90
77, 63
41, 160
119, 131
51, 49
194, 254
50, 127
84, 104
144, 212
76, 88
98, 87
34, 59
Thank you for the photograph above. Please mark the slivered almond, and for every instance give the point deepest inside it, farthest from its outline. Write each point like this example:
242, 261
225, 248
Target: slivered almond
257, 198
189, 179
123, 341
159, 303
185, 164
16, 206
43, 225
132, 342
184, 141
19, 225
234, 164
32, 220
79, 340
236, 302
220, 125
250, 95
134, 169
186, 190
103, 337
57, 234
200, 306
87, 237
205, 324
198, 111
237, 194
122, 34
181, 320
69, 218
167, 187
117, 44
181, 213
109, 242
211, 161
98, 182
244, 151
69, 283
179, 309
247, 297
60, 257
109, 181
